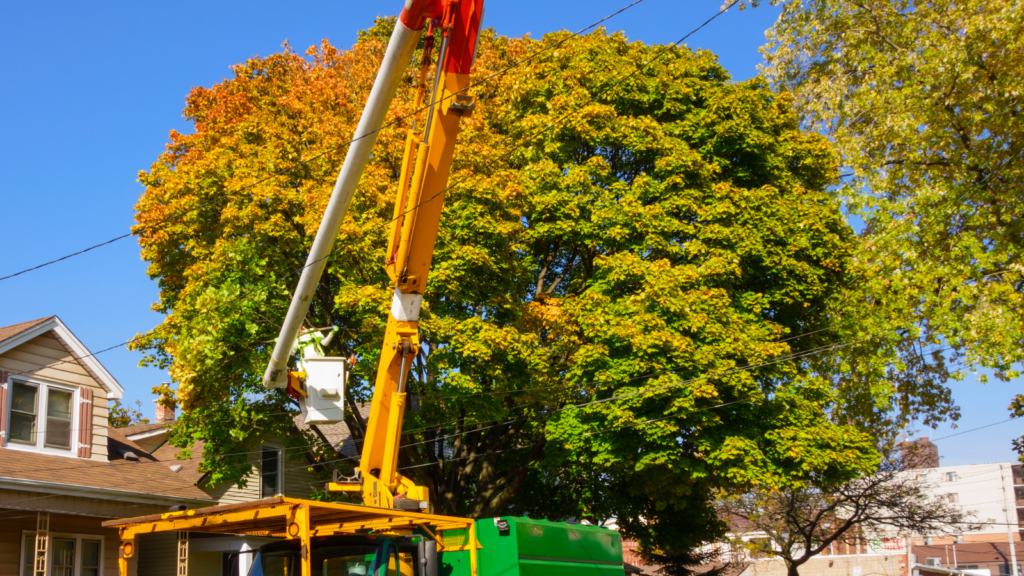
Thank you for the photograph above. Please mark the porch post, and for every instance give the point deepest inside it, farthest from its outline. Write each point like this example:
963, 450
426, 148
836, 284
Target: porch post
182, 554
40, 566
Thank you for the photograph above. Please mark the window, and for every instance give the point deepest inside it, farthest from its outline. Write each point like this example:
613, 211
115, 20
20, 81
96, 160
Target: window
958, 539
24, 399
70, 554
42, 416
270, 472
952, 498
62, 557
922, 478
951, 476
928, 541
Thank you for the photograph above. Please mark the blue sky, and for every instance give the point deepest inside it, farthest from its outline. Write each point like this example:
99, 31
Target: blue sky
92, 89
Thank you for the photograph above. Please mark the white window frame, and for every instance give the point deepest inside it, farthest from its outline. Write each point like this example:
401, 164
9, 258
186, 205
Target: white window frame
279, 489
43, 387
26, 534
951, 477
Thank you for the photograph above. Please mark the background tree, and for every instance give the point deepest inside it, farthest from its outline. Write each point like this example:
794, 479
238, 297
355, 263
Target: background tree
801, 522
120, 416
625, 302
923, 103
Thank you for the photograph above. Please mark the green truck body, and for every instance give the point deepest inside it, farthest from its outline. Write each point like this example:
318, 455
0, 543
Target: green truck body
528, 547
508, 547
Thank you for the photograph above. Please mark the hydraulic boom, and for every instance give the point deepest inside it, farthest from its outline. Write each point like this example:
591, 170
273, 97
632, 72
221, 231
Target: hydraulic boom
420, 199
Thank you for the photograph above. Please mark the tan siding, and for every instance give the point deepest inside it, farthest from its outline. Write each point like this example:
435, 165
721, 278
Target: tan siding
34, 370
297, 483
204, 564
45, 358
66, 364
48, 341
158, 554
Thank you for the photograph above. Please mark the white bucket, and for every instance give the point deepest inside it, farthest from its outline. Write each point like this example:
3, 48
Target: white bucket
325, 390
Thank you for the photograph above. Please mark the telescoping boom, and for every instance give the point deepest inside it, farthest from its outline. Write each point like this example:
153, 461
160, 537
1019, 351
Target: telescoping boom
420, 197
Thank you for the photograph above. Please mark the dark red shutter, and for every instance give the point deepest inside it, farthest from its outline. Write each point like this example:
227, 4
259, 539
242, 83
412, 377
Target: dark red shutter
3, 407
85, 423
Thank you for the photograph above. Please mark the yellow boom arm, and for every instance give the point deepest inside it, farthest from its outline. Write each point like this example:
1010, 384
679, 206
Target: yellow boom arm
420, 199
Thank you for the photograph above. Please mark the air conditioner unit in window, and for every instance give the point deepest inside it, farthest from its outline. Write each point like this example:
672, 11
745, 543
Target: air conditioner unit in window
933, 561
325, 390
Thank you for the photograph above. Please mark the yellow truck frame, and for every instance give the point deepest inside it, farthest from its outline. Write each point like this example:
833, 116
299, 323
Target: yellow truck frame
294, 519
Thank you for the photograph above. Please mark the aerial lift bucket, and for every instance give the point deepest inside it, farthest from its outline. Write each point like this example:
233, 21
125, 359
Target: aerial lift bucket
324, 400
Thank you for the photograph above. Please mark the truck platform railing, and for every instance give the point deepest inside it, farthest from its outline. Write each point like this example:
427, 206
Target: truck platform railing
295, 519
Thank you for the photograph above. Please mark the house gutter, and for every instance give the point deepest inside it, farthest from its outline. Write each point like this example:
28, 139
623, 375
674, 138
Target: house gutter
60, 489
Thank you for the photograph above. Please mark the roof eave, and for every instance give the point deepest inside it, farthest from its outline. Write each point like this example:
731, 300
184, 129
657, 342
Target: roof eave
78, 350
62, 489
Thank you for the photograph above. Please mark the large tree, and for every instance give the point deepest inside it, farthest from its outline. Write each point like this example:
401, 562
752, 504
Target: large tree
923, 102
661, 248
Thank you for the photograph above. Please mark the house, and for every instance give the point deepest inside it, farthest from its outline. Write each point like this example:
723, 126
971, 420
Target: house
64, 470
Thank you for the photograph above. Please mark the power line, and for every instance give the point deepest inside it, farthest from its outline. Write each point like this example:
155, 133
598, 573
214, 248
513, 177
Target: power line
973, 429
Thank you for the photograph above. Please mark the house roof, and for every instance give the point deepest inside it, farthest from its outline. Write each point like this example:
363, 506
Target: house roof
117, 444
190, 467
338, 435
15, 329
17, 334
129, 431
144, 477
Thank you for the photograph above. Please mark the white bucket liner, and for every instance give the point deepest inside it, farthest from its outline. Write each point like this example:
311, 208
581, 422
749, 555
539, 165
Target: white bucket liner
325, 390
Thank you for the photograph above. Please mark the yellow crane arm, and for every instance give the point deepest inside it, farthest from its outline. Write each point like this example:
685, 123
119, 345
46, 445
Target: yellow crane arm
420, 200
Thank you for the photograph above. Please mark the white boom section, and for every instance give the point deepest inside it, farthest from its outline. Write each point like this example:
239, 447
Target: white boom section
396, 59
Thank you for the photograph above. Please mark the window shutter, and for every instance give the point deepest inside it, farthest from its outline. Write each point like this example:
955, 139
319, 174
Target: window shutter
3, 408
85, 423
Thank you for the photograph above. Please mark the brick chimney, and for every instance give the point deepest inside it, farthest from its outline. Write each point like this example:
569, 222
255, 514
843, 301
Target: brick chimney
163, 414
920, 453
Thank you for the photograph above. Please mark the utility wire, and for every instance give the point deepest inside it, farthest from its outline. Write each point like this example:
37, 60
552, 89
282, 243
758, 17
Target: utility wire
973, 429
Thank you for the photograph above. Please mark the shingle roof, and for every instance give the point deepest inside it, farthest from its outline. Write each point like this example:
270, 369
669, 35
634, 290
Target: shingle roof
143, 477
141, 428
338, 435
189, 468
117, 443
15, 329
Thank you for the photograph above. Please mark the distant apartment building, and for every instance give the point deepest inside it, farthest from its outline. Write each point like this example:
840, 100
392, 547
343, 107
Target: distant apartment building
993, 492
